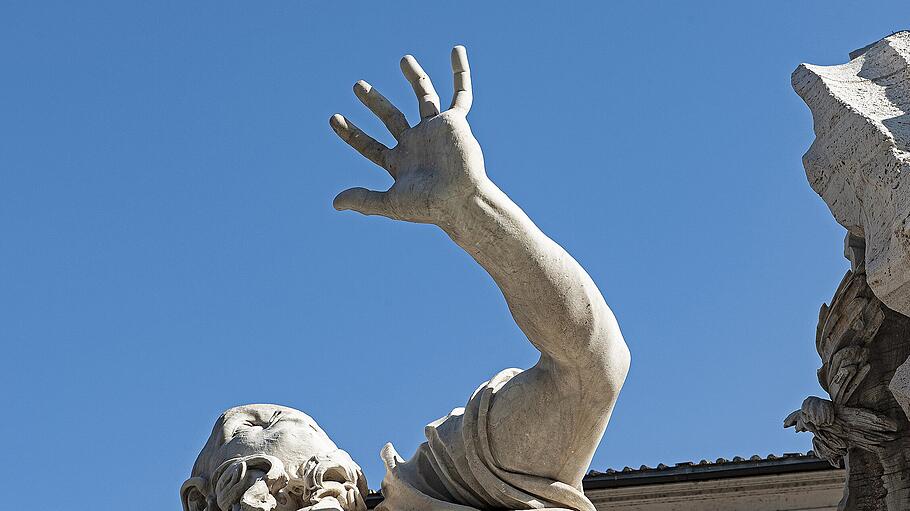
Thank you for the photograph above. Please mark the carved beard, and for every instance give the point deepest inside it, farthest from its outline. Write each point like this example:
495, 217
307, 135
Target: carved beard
248, 483
261, 483
333, 481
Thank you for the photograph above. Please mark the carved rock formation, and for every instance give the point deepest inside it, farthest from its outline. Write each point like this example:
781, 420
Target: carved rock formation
858, 164
859, 160
861, 343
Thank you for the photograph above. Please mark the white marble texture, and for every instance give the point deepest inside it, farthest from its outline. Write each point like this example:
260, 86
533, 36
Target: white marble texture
526, 438
272, 458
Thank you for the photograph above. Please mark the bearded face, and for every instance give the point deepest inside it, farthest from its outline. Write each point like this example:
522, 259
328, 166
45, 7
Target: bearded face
272, 458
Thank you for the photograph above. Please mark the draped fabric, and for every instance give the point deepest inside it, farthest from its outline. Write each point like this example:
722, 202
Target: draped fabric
456, 470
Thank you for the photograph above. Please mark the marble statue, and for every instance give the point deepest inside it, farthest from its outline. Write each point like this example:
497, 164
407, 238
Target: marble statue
858, 164
525, 438
272, 458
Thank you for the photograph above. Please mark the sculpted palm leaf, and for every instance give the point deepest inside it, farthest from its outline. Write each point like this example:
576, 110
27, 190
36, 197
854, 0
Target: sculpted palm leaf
843, 331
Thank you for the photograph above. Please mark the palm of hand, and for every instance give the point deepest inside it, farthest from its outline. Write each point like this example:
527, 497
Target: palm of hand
435, 164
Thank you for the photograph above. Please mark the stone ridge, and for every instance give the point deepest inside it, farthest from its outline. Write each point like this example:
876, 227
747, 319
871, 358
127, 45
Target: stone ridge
861, 153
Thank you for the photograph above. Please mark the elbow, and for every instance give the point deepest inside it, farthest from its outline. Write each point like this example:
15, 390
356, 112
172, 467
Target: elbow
608, 352
615, 362
625, 361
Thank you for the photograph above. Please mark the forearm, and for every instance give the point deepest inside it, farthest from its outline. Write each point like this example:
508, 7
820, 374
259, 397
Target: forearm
439, 178
551, 297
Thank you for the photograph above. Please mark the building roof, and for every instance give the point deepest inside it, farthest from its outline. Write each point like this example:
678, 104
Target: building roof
706, 470
690, 471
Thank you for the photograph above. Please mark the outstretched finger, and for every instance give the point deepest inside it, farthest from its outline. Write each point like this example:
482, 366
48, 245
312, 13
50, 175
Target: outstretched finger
361, 200
383, 108
359, 140
427, 98
464, 96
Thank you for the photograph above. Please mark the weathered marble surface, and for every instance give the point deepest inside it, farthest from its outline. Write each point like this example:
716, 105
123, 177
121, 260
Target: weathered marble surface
525, 438
860, 158
272, 458
859, 165
861, 343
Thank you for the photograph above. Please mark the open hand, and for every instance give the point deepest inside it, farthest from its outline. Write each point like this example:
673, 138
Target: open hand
436, 164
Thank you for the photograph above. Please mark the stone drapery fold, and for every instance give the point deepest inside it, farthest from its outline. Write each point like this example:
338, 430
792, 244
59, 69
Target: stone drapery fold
456, 468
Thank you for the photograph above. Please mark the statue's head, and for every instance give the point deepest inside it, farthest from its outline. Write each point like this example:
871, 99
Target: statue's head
272, 458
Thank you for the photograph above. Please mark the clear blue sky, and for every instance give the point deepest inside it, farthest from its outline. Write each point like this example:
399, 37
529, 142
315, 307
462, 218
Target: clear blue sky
168, 247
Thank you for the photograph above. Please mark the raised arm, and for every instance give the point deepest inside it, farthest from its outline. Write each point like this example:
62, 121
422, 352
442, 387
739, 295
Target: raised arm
440, 179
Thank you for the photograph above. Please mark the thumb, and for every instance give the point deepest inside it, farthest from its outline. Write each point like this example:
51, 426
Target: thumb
361, 200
